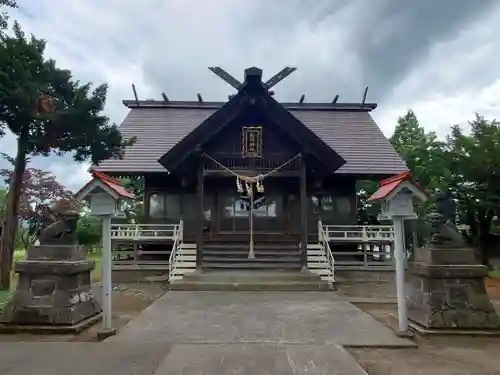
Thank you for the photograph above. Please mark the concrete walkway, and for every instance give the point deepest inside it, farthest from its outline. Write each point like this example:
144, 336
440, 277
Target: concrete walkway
217, 333
56, 358
319, 318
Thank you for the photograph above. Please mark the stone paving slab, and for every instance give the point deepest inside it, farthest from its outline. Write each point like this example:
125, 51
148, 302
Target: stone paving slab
314, 318
262, 359
49, 358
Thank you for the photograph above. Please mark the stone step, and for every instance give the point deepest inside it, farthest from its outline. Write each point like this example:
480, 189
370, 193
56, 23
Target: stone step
252, 286
244, 258
246, 246
263, 254
246, 276
251, 265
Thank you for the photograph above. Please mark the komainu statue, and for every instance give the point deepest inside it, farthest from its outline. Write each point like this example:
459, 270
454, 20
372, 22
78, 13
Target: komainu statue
59, 223
442, 222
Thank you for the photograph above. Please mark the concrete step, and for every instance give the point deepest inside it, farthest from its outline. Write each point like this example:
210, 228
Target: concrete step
186, 245
317, 265
185, 258
244, 253
252, 286
245, 246
246, 276
251, 265
244, 258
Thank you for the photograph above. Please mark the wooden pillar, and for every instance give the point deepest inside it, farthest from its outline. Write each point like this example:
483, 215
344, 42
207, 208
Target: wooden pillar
303, 214
201, 215
146, 205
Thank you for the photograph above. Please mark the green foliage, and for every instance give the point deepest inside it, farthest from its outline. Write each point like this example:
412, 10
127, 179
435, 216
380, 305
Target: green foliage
423, 154
367, 212
89, 231
40, 189
474, 162
47, 109
3, 14
466, 163
134, 211
422, 151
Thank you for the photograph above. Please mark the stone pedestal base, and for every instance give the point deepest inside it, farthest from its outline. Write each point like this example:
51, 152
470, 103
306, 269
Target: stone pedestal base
447, 290
54, 288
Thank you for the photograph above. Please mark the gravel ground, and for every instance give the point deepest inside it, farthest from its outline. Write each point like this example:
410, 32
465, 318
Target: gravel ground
434, 355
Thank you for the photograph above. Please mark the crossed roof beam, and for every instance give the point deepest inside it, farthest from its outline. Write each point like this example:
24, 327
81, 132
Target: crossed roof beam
271, 82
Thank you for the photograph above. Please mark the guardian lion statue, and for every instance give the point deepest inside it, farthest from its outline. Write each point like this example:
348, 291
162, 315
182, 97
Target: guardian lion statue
442, 222
59, 223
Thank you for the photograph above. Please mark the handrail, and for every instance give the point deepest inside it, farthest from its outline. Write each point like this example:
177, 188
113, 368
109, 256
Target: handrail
363, 233
178, 238
325, 248
143, 231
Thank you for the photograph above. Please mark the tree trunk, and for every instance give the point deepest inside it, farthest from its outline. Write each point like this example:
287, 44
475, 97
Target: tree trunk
11, 218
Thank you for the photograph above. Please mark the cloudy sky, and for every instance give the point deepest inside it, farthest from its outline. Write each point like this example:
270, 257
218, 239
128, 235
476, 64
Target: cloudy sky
438, 57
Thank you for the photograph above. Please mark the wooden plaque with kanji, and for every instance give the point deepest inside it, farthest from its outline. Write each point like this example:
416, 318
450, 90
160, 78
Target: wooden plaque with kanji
251, 146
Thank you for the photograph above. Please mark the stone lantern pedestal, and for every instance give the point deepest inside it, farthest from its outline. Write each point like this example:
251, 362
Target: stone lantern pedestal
447, 290
54, 291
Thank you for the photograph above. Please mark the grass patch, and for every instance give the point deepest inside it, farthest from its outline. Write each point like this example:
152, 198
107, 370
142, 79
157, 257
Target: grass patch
19, 255
4, 298
97, 272
495, 273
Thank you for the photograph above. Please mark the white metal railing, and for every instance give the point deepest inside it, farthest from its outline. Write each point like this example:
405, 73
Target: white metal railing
325, 248
178, 238
137, 232
359, 233
367, 256
373, 244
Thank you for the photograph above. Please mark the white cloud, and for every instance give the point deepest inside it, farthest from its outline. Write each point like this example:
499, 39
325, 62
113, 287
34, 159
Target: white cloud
458, 78
167, 45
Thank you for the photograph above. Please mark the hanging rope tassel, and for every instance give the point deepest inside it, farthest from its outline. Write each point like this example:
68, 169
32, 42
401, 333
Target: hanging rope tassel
249, 189
239, 186
260, 186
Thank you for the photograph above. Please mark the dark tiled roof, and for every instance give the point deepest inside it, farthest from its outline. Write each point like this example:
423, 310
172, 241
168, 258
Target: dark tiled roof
348, 129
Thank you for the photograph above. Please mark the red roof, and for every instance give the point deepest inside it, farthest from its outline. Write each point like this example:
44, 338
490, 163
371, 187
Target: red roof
388, 185
112, 183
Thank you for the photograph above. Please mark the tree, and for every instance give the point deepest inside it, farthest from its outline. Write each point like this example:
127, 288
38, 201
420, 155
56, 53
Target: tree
422, 152
3, 14
89, 230
367, 212
3, 204
474, 162
134, 212
40, 189
48, 111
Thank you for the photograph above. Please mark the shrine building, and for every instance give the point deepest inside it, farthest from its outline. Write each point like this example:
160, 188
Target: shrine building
251, 183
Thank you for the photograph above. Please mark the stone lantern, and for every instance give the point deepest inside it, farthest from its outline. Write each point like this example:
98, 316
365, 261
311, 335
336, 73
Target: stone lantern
398, 196
107, 199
